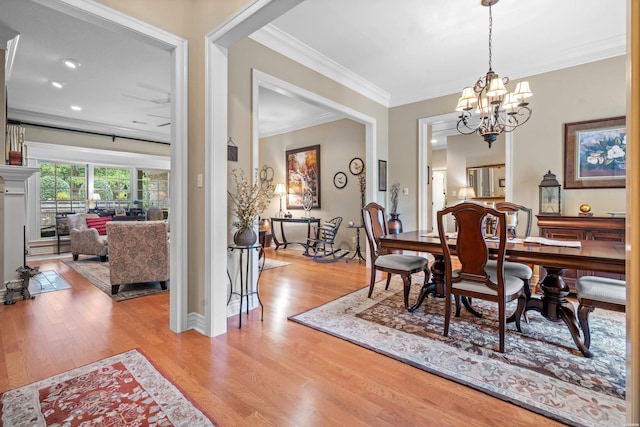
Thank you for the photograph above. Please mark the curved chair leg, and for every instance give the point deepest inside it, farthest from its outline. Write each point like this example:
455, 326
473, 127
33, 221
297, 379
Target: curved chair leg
388, 281
406, 280
583, 318
502, 321
522, 302
372, 281
447, 313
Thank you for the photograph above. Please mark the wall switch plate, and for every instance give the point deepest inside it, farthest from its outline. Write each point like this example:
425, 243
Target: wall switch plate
405, 191
200, 179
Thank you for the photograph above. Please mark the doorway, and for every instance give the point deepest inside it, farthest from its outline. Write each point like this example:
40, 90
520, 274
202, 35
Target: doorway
439, 194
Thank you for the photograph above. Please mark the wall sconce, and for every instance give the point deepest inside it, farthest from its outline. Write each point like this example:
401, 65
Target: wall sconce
280, 191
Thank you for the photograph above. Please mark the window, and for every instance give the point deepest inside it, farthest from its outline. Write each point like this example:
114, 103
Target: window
113, 185
62, 189
153, 188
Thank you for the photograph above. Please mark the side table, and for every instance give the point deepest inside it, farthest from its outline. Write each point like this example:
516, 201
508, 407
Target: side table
243, 268
357, 252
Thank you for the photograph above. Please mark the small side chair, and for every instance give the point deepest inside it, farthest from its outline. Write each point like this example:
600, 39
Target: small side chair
375, 225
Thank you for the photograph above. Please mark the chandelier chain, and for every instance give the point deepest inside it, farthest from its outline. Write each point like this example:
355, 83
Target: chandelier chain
490, 32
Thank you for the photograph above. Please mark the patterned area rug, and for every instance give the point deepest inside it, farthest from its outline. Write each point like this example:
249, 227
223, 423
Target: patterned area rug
271, 263
98, 274
541, 369
121, 390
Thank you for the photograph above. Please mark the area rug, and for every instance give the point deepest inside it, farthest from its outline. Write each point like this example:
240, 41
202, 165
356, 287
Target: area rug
271, 263
43, 282
98, 274
541, 369
121, 390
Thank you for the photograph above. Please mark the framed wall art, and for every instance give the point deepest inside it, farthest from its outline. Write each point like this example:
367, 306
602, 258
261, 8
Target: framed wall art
382, 175
303, 171
595, 153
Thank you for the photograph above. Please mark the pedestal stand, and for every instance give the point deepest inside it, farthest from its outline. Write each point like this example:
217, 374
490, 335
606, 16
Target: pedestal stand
26, 273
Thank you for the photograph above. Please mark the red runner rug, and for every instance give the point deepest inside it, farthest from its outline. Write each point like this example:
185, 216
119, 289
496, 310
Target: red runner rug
122, 390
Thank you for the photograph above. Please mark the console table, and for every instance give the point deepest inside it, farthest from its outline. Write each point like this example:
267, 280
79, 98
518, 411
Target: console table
284, 241
582, 228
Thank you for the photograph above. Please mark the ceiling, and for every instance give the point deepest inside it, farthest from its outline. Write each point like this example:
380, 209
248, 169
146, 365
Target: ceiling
394, 52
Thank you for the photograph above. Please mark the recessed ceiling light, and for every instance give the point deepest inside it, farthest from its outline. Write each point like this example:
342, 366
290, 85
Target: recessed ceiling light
76, 108
71, 63
57, 85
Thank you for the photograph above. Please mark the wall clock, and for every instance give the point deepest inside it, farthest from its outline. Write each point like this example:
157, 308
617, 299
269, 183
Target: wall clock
356, 166
340, 180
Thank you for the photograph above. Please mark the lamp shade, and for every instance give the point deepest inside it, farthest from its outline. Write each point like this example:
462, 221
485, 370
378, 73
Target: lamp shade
465, 193
95, 196
522, 91
496, 87
280, 190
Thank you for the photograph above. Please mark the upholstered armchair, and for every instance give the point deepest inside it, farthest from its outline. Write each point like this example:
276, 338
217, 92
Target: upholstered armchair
138, 253
85, 240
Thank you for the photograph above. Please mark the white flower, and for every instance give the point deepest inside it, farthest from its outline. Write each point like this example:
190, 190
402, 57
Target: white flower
614, 152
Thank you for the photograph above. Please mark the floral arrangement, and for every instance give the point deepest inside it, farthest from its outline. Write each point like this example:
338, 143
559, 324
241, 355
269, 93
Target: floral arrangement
606, 150
395, 190
249, 200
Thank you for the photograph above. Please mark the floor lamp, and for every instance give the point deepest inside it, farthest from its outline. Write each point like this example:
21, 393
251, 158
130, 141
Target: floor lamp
280, 191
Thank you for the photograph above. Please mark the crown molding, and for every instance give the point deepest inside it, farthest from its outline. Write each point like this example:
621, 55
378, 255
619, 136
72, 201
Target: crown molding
281, 42
85, 125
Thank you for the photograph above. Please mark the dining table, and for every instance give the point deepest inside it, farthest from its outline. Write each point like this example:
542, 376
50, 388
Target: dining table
601, 256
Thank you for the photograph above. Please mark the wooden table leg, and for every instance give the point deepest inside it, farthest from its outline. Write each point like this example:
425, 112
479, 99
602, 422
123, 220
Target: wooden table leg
437, 283
554, 305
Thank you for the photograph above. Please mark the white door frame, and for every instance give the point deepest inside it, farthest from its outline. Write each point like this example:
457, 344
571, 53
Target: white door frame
98, 14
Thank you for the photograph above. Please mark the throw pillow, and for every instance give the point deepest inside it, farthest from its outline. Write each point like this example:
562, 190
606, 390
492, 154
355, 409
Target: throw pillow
99, 224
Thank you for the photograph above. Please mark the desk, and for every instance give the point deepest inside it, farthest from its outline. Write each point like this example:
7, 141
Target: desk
604, 256
244, 278
284, 241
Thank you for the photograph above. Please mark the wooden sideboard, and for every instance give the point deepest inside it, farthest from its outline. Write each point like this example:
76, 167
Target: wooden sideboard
581, 228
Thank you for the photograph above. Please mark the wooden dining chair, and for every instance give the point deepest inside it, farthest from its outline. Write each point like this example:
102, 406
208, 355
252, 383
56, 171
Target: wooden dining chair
472, 279
523, 271
375, 225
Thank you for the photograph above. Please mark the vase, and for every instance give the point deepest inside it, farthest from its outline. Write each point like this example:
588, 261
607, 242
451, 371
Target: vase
394, 224
245, 237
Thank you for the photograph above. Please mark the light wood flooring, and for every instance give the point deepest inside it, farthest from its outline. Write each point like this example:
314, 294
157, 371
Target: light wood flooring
274, 372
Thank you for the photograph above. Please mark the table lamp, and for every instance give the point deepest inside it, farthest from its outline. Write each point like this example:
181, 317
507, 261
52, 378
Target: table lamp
280, 191
95, 197
465, 193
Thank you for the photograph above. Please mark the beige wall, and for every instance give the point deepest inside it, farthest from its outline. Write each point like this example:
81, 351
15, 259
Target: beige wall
562, 96
339, 141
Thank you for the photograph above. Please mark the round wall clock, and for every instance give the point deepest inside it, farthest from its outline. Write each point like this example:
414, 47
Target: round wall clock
356, 166
340, 180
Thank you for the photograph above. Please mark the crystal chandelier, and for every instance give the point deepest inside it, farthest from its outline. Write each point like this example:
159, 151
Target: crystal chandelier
497, 110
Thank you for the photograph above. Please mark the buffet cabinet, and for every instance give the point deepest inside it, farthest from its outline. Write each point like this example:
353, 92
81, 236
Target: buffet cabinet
581, 228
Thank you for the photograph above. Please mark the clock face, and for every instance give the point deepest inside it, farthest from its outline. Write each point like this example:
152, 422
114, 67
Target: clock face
356, 166
340, 180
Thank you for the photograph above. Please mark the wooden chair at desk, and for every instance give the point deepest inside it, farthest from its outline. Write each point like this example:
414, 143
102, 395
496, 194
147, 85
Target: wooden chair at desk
472, 280
375, 225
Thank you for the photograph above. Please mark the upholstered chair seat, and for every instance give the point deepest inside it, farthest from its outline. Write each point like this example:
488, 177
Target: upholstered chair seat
138, 253
598, 292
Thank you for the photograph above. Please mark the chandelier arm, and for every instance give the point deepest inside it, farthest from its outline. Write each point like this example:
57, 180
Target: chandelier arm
463, 125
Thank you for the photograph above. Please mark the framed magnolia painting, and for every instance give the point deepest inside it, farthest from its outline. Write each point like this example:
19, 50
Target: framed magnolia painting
595, 153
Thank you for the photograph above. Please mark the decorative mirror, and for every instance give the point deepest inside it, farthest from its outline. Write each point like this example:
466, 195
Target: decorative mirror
488, 182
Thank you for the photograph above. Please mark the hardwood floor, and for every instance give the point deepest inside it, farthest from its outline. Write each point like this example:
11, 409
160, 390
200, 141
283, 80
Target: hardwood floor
274, 372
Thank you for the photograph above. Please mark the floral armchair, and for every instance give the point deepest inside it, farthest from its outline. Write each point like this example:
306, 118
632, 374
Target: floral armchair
138, 253
85, 240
